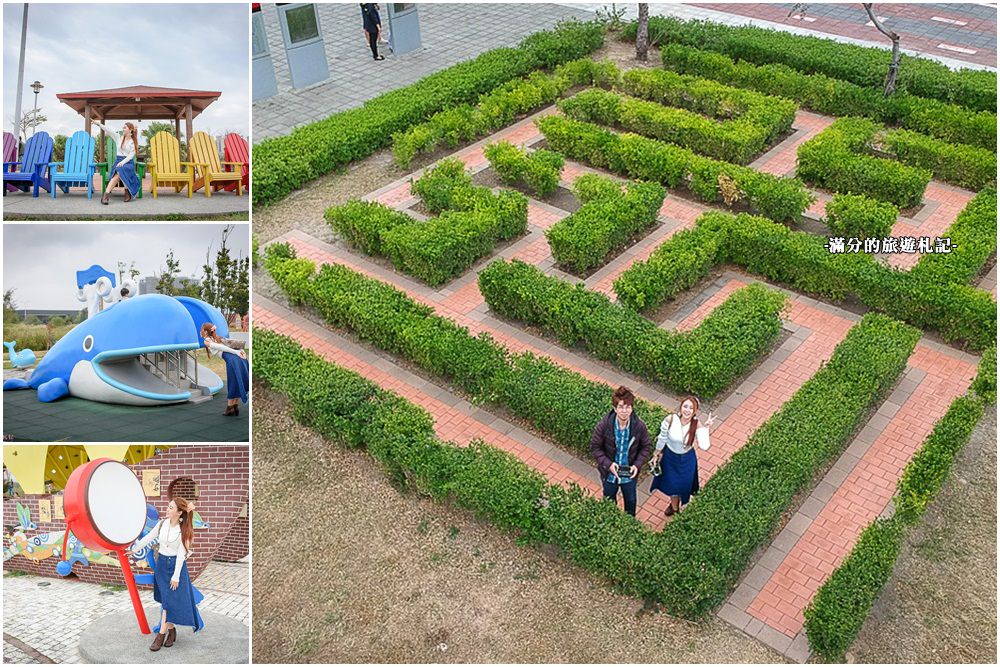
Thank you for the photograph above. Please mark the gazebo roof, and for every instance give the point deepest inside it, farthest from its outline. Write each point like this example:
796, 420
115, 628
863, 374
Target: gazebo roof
140, 102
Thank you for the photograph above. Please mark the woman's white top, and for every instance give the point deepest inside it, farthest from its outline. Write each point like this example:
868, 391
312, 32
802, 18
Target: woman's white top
219, 347
674, 435
171, 544
125, 147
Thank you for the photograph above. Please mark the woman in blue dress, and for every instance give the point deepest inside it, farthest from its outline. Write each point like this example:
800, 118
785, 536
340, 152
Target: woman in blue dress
123, 165
675, 453
172, 586
237, 368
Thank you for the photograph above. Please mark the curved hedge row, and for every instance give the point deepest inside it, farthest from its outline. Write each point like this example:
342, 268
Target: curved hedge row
538, 170
833, 97
604, 225
703, 361
861, 65
960, 313
284, 164
858, 216
974, 235
651, 160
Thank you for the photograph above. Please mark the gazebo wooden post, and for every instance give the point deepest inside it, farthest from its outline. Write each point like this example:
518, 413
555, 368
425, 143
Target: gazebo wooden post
177, 126
189, 116
86, 117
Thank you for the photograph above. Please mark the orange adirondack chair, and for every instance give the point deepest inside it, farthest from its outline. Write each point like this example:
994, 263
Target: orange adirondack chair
235, 149
165, 166
211, 175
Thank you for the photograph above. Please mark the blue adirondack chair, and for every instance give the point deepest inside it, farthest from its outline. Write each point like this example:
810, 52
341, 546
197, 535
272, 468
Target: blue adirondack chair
33, 169
78, 166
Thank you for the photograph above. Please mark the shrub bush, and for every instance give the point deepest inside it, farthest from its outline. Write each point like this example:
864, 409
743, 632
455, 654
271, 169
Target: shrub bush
974, 235
362, 223
833, 97
703, 361
858, 216
832, 160
864, 66
608, 220
965, 166
284, 164
985, 384
441, 248
538, 170
651, 160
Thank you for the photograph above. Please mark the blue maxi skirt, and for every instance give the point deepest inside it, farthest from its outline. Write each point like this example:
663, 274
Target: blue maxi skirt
180, 604
127, 173
680, 475
237, 376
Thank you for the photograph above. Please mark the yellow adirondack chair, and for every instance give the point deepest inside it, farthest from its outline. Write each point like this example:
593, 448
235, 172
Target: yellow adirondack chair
165, 166
211, 175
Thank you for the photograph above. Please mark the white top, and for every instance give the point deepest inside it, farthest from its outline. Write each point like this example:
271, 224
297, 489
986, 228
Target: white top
674, 434
126, 148
219, 347
171, 544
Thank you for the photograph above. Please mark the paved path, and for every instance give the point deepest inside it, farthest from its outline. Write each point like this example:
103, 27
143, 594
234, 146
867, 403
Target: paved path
450, 33
43, 616
769, 601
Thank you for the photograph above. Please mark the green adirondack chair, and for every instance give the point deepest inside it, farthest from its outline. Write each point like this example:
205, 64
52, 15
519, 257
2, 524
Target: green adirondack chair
110, 155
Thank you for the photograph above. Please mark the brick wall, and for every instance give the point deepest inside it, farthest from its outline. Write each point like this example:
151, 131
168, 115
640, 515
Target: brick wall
237, 543
221, 474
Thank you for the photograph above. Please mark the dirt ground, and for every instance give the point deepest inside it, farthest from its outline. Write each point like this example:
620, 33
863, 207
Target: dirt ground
339, 578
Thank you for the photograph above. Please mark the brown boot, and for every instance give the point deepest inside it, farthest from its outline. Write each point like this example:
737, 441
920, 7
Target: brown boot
171, 636
230, 411
105, 198
158, 642
128, 196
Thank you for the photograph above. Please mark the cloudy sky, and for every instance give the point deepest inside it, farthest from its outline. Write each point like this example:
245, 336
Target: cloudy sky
79, 47
40, 261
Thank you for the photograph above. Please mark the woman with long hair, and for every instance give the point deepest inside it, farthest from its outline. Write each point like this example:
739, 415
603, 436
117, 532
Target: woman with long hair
123, 165
237, 368
675, 453
171, 582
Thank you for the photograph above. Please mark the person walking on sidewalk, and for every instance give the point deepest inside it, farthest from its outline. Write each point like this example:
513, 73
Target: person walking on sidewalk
172, 586
372, 27
676, 454
620, 444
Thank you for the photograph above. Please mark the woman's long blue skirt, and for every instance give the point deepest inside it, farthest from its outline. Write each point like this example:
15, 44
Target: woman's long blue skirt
127, 173
237, 376
680, 475
179, 604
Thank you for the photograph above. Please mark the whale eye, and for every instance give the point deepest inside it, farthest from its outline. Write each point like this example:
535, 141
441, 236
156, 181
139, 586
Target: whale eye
88, 343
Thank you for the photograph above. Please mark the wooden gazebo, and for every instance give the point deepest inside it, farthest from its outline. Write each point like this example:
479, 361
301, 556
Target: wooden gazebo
141, 103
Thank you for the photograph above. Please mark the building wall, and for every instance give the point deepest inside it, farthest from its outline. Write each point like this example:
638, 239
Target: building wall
221, 474
237, 544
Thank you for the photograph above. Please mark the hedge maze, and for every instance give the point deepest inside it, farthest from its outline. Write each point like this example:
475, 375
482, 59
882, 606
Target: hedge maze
581, 227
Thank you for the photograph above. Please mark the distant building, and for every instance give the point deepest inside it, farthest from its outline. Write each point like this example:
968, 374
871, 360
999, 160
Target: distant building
148, 284
46, 315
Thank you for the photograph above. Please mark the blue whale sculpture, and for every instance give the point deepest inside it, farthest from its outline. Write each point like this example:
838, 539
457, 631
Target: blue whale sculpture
21, 359
102, 359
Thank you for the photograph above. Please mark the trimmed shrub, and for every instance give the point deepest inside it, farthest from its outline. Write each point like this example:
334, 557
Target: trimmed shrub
985, 384
284, 164
441, 248
538, 170
864, 66
833, 160
651, 160
858, 216
703, 361
608, 220
974, 236
965, 166
362, 223
833, 97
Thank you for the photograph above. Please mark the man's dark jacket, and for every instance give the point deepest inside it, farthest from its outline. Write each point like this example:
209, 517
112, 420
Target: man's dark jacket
602, 443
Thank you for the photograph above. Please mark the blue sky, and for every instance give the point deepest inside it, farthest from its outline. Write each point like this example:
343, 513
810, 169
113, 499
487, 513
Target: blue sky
40, 261
78, 47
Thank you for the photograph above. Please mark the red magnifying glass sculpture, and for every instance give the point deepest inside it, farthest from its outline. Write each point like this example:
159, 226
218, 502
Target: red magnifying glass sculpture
106, 510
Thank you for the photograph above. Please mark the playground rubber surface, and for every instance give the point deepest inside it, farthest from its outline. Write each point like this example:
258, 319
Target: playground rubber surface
78, 420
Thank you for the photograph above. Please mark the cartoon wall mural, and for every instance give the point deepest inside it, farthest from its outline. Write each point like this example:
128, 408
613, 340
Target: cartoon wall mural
47, 545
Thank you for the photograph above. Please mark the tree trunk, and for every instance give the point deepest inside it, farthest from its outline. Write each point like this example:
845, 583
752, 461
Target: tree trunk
890, 77
642, 34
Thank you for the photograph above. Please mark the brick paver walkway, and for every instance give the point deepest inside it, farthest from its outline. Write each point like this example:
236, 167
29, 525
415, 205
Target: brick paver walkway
769, 601
44, 617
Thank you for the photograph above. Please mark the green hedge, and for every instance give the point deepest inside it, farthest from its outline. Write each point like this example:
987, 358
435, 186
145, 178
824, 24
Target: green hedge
839, 609
960, 313
974, 235
651, 160
864, 66
858, 216
441, 248
608, 220
708, 545
834, 160
965, 166
362, 223
284, 164
703, 361
833, 97
539, 170
558, 402
985, 384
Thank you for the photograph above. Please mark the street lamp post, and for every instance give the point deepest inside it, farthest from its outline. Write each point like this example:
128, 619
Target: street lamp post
36, 86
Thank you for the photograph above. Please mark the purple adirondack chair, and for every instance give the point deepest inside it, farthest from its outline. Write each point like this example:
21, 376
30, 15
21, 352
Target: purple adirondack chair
32, 170
9, 154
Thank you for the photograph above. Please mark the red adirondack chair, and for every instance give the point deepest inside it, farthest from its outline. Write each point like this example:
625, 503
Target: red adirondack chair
9, 153
235, 149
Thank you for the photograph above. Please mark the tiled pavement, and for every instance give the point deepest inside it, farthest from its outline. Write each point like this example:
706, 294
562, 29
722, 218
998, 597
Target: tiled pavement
769, 600
44, 617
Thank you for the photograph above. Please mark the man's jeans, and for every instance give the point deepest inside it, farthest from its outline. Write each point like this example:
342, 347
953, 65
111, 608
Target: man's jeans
628, 493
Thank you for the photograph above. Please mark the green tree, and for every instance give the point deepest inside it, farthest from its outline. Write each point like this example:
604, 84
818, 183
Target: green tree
156, 127
226, 283
130, 269
165, 282
10, 315
33, 319
81, 316
29, 120
57, 321
59, 147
